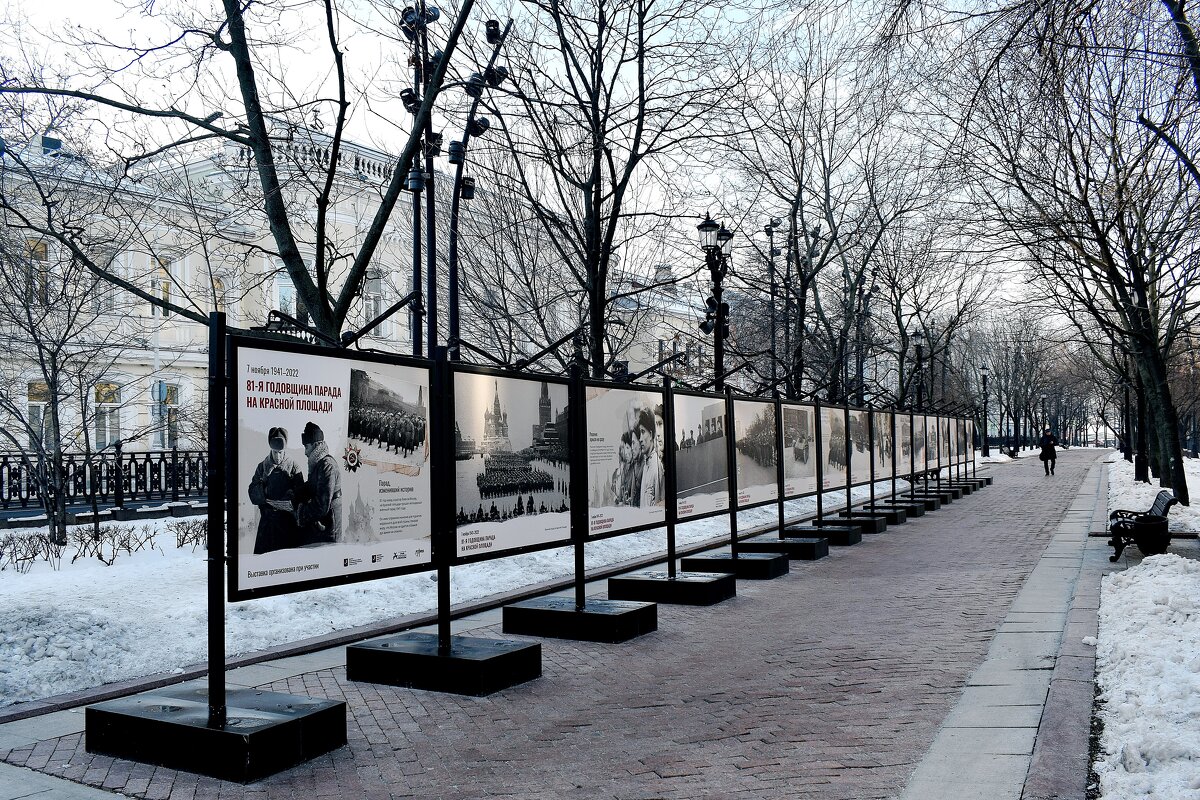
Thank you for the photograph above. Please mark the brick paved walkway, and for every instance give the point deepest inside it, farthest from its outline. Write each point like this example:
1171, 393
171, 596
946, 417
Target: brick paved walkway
830, 682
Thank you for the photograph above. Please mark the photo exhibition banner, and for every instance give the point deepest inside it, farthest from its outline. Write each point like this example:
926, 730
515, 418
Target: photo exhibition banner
626, 476
331, 466
884, 447
860, 447
945, 442
920, 442
833, 446
512, 466
701, 462
904, 437
799, 450
755, 452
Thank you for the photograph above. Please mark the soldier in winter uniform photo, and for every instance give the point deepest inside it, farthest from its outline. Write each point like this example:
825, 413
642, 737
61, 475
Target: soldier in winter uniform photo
271, 490
319, 499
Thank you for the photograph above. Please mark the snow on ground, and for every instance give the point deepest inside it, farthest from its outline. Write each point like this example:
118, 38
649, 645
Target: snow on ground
1148, 659
1148, 672
1123, 492
87, 624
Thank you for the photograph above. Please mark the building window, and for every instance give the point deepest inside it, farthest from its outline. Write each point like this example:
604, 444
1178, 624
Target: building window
39, 418
287, 301
160, 287
164, 409
108, 415
37, 272
373, 304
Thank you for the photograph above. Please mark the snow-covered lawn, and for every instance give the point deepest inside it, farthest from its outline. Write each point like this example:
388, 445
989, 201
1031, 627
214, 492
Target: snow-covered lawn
1148, 660
86, 624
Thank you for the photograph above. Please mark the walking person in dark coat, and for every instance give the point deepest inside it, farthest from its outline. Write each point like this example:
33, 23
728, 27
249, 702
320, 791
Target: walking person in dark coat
1048, 455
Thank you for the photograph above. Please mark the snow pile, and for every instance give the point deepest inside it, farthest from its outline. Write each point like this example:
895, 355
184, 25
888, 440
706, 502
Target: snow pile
1124, 492
1148, 672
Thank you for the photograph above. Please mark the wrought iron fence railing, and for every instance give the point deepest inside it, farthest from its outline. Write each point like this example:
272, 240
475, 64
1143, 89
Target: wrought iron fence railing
113, 478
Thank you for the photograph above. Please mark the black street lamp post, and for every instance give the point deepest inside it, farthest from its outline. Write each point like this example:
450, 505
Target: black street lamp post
715, 242
919, 339
984, 370
769, 230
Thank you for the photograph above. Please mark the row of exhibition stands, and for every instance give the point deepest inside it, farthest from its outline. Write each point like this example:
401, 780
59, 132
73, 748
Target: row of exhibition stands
408, 465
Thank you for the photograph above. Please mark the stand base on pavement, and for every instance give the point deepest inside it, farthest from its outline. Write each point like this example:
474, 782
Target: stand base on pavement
892, 514
834, 535
686, 588
932, 501
869, 521
608, 621
747, 566
264, 732
797, 548
910, 509
471, 666
961, 486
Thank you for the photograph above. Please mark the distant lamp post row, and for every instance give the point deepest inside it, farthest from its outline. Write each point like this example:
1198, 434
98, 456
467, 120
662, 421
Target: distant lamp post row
715, 242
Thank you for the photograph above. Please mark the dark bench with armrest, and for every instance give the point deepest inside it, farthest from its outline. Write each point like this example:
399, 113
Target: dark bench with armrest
1147, 529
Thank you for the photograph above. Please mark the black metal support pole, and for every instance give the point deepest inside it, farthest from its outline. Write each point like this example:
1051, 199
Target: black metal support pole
912, 453
871, 450
672, 503
770, 231
577, 469
218, 410
895, 450
819, 454
780, 446
849, 453
119, 491
731, 460
418, 346
441, 466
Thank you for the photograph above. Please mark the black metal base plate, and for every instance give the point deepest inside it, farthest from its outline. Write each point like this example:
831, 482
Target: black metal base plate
836, 536
961, 486
797, 548
908, 509
472, 666
686, 588
608, 621
870, 522
264, 733
932, 501
747, 566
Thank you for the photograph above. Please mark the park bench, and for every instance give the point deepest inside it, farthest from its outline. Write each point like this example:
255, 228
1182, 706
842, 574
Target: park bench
1147, 529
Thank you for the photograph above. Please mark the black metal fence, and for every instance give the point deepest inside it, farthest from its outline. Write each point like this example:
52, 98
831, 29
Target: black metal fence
113, 478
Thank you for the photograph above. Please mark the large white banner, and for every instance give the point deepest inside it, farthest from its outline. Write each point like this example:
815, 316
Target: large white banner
702, 460
799, 450
755, 451
626, 449
512, 466
332, 469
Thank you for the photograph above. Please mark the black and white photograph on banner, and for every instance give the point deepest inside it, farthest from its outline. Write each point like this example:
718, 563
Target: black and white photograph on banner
799, 450
884, 443
860, 447
919, 440
754, 442
946, 445
512, 468
626, 449
904, 440
701, 460
833, 445
332, 467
